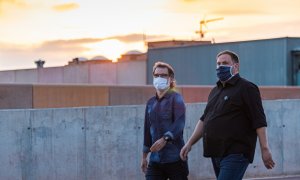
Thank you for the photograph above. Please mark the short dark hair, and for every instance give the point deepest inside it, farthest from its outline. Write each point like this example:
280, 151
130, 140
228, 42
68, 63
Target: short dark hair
160, 64
232, 54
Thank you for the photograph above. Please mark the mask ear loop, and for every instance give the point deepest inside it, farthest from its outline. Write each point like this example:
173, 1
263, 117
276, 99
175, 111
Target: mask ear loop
172, 80
169, 81
231, 69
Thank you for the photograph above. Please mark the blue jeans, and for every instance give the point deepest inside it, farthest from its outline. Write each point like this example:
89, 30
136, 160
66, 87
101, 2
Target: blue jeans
163, 171
231, 167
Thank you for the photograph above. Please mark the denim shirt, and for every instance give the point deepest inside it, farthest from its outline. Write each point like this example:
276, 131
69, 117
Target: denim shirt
165, 117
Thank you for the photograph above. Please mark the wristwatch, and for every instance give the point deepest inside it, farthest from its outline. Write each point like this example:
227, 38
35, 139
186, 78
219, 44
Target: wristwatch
167, 138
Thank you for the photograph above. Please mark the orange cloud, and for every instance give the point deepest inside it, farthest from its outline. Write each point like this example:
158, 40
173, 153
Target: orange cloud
61, 48
4, 4
65, 7
237, 11
20, 3
57, 52
130, 38
190, 1
76, 45
230, 7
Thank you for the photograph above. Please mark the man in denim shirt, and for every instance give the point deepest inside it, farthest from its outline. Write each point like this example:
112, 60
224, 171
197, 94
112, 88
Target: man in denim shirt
163, 128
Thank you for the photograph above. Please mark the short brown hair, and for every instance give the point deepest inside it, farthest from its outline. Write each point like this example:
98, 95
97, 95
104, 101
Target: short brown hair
160, 64
233, 55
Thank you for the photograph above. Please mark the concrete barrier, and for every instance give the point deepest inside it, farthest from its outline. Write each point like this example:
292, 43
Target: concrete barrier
16, 96
58, 96
129, 95
106, 142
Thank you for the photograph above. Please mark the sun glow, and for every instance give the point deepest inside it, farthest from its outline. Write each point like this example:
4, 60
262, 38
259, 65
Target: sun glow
59, 30
111, 49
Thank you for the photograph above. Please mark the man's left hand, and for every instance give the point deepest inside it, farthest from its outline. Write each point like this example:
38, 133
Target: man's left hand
267, 158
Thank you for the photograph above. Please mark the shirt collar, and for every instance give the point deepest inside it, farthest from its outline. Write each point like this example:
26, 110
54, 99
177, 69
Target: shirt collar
166, 95
231, 81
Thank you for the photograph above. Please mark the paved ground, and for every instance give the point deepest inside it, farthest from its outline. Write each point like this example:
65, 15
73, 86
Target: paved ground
291, 177
277, 178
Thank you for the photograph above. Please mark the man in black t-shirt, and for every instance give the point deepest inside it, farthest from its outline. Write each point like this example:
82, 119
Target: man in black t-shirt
231, 122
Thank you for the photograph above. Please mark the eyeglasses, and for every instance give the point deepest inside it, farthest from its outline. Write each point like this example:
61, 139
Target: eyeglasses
161, 75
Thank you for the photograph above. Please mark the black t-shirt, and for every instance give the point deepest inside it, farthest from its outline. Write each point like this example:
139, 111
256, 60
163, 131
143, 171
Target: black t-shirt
231, 117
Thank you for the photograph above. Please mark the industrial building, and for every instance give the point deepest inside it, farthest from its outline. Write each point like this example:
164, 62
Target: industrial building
98, 70
268, 62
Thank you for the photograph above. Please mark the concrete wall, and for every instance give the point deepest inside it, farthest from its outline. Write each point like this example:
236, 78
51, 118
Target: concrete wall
26, 76
46, 96
51, 75
13, 96
103, 73
7, 76
106, 142
76, 74
129, 95
131, 73
280, 92
16, 96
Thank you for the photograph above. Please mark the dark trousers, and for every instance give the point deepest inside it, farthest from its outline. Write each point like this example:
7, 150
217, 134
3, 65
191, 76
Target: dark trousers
163, 171
231, 167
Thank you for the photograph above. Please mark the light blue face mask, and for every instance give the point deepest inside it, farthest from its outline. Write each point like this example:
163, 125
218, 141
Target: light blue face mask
224, 72
161, 83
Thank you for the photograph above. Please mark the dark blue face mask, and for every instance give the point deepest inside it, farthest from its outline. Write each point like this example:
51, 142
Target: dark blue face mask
224, 72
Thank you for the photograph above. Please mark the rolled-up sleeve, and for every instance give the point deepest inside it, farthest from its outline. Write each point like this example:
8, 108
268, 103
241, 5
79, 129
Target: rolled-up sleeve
179, 118
254, 108
147, 135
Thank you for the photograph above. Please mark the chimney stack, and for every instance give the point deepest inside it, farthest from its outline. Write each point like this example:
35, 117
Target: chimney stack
39, 63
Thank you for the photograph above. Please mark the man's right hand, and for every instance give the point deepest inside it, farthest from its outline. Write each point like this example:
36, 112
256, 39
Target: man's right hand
144, 165
184, 151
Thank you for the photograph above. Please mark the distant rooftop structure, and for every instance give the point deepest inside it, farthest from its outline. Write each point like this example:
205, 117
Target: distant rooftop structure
133, 55
133, 52
94, 60
99, 58
39, 63
174, 43
82, 59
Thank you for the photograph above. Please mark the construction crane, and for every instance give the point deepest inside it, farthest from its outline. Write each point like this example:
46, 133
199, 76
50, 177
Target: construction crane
204, 23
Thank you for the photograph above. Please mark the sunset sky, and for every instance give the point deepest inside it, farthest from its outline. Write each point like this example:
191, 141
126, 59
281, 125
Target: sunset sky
59, 30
